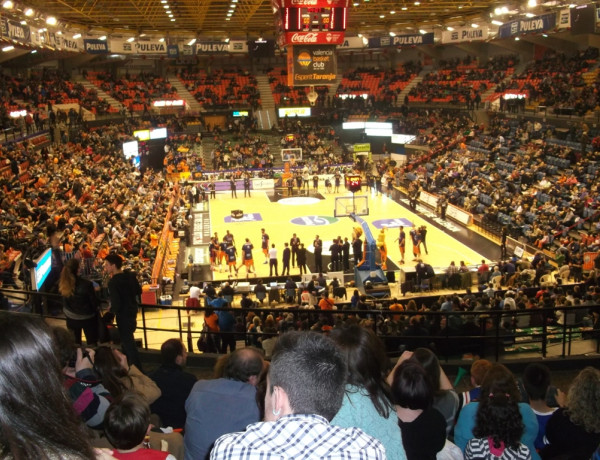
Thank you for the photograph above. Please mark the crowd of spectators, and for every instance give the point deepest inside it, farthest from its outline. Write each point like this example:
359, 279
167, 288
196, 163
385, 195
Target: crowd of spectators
86, 195
557, 80
381, 86
462, 83
135, 92
222, 88
554, 183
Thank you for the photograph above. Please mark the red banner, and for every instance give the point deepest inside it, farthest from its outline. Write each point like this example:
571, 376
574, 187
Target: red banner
313, 38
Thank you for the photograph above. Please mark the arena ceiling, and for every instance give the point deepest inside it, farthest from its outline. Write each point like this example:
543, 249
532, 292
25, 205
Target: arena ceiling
253, 18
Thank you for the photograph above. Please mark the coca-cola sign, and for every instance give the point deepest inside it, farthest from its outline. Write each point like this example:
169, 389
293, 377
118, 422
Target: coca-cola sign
317, 3
314, 38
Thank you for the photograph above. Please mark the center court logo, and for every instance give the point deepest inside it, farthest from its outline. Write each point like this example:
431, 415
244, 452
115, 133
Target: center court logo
314, 220
304, 59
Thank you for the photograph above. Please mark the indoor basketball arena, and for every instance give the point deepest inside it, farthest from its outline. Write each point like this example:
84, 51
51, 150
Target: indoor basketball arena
194, 186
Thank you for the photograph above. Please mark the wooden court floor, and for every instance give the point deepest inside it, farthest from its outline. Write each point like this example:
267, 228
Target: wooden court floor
309, 216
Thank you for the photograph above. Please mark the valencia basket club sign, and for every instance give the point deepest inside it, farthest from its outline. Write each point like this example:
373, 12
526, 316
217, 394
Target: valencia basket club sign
311, 65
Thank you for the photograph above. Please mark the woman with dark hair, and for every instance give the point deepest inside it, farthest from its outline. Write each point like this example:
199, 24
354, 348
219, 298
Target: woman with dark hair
498, 422
574, 430
80, 304
37, 420
368, 400
500, 383
119, 377
423, 427
445, 399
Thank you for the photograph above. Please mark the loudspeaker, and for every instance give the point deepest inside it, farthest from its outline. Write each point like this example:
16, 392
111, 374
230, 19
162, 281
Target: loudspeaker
391, 276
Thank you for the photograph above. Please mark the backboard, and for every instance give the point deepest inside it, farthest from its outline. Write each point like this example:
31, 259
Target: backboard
346, 205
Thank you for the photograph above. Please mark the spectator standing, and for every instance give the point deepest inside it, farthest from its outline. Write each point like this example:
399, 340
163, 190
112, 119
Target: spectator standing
80, 304
124, 290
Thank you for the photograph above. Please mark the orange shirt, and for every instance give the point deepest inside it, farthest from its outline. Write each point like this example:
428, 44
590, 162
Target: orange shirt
212, 322
326, 303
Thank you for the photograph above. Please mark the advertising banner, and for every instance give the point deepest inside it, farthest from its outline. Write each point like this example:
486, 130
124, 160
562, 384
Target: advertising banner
294, 112
352, 43
361, 147
15, 31
120, 46
311, 65
150, 47
465, 34
173, 51
70, 44
401, 40
527, 25
95, 46
313, 38
564, 18
212, 47
238, 46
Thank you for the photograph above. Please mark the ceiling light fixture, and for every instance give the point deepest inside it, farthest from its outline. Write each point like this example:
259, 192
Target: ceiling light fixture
51, 21
131, 39
8, 5
8, 48
76, 36
28, 12
102, 37
191, 42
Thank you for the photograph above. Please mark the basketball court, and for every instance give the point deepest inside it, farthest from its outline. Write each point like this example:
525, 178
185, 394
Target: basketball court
313, 213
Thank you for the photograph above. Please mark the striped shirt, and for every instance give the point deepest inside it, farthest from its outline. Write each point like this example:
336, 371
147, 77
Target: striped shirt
298, 436
480, 449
